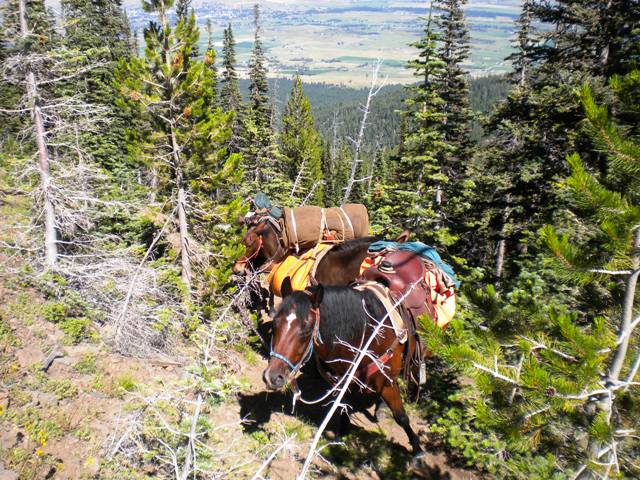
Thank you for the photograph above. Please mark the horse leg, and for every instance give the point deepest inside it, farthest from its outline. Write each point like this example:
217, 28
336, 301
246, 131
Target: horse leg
345, 424
391, 395
382, 410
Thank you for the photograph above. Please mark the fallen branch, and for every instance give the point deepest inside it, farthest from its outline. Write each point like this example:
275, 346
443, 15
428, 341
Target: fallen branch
190, 459
266, 463
137, 272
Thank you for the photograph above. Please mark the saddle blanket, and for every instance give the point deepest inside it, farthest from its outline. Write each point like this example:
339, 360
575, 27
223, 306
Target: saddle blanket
298, 269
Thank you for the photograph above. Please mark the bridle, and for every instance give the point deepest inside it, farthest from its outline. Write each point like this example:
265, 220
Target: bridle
315, 337
245, 260
279, 252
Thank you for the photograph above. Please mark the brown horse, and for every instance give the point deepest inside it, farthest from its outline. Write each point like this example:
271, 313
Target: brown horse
264, 248
335, 322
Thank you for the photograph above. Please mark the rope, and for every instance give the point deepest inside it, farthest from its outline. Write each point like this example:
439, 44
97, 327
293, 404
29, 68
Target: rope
323, 225
353, 232
295, 230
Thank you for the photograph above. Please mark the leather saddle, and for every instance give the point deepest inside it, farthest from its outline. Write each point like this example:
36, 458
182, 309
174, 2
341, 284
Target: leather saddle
403, 273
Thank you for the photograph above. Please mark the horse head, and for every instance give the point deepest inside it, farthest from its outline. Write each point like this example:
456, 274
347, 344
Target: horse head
295, 329
261, 244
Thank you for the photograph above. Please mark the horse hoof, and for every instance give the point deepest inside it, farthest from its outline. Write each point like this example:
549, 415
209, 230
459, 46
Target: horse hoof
419, 467
383, 413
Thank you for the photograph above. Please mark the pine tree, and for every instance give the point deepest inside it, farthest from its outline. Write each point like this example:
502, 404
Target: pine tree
264, 165
230, 91
100, 30
230, 99
258, 85
335, 167
210, 61
454, 89
419, 174
508, 203
454, 199
534, 130
589, 36
182, 9
302, 146
173, 91
554, 364
521, 59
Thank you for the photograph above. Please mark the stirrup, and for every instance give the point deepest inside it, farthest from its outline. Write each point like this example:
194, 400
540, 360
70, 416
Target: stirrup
423, 373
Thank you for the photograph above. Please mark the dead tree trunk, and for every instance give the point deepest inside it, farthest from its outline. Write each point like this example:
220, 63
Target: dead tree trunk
624, 332
183, 225
500, 253
372, 166
374, 89
601, 453
501, 249
50, 242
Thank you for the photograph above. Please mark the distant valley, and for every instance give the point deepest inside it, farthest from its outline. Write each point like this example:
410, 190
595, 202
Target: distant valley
336, 41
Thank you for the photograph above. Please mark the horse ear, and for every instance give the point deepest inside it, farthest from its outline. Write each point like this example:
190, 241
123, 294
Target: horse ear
240, 219
404, 236
316, 296
286, 289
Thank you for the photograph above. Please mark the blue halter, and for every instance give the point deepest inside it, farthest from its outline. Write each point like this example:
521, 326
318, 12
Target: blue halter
308, 352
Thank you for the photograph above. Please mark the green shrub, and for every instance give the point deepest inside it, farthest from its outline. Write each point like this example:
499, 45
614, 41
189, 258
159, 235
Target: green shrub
77, 329
7, 338
54, 312
126, 383
62, 389
87, 364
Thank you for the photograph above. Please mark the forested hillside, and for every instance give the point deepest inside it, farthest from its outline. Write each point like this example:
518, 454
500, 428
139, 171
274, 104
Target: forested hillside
343, 103
131, 343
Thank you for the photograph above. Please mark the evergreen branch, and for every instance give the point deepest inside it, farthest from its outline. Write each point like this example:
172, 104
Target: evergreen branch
609, 272
625, 154
496, 374
540, 346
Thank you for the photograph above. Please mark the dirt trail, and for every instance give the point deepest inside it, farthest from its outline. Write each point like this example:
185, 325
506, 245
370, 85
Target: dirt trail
56, 424
64, 423
380, 450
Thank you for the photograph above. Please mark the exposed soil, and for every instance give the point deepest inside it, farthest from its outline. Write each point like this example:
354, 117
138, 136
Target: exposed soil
89, 417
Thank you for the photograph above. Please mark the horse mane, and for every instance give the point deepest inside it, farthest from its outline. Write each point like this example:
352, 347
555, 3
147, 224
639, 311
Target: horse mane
345, 313
342, 314
351, 246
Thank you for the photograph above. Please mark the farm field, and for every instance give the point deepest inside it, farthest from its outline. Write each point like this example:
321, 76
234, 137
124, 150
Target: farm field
335, 42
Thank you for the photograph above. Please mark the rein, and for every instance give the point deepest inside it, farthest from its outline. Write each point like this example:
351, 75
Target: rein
309, 350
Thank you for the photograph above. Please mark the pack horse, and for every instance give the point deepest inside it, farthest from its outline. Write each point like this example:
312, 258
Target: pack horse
379, 313
306, 244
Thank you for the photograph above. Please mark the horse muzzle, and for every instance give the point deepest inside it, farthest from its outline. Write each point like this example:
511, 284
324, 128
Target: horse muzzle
239, 268
273, 378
